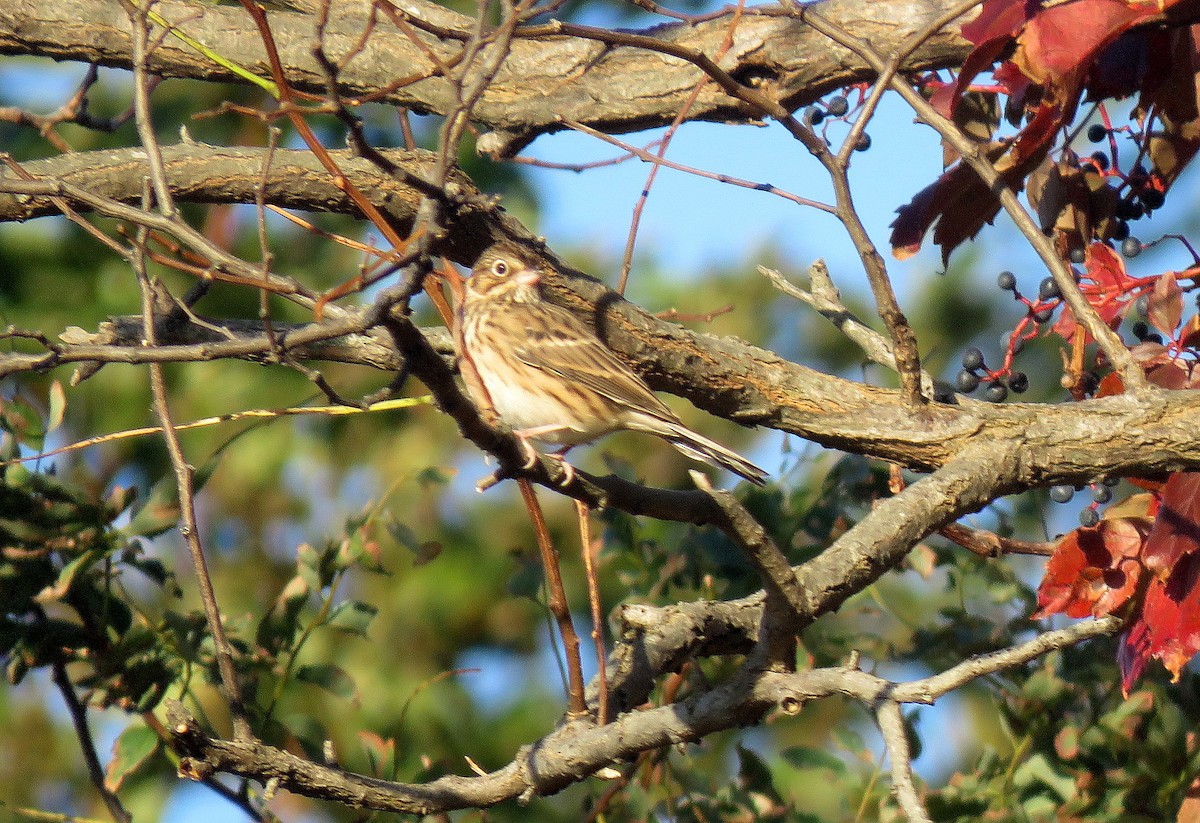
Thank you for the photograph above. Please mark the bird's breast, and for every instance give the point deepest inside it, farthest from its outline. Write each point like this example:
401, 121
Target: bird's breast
524, 396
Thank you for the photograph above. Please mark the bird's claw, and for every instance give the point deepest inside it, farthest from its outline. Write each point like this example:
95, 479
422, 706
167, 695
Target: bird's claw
568, 471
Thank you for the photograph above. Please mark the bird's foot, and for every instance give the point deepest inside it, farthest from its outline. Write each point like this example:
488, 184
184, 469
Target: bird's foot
568, 470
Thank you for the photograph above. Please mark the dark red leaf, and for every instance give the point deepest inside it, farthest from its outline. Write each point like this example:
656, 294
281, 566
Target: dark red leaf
1122, 67
1171, 89
1166, 305
1059, 43
1133, 653
999, 20
1176, 531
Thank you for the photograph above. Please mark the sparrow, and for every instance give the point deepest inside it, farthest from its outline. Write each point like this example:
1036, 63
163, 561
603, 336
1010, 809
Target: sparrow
550, 378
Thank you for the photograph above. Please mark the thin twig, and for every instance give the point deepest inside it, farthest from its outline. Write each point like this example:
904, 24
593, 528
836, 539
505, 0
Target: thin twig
895, 737
87, 745
556, 601
183, 470
651, 157
1110, 342
582, 513
824, 297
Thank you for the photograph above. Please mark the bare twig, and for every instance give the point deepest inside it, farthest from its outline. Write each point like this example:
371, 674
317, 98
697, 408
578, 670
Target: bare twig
757, 545
1131, 373
823, 296
652, 157
556, 600
188, 528
895, 737
87, 745
582, 513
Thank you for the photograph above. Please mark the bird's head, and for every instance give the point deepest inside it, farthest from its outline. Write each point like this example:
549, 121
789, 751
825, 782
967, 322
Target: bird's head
505, 272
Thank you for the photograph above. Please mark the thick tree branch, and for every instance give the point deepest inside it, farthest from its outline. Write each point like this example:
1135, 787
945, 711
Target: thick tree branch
292, 179
612, 88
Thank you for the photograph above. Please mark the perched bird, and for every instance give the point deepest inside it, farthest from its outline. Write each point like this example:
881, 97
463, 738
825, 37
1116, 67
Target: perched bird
548, 375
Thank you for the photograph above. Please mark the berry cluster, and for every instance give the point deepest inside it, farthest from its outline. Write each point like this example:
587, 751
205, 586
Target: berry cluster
1136, 193
999, 382
1101, 493
836, 107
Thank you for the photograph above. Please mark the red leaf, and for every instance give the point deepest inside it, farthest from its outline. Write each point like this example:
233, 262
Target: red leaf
1166, 623
998, 20
1060, 42
1106, 285
1171, 613
1133, 653
1106, 268
1166, 304
1189, 338
1176, 531
1093, 570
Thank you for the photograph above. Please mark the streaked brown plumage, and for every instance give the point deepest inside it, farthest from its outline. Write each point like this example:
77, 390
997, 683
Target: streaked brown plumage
550, 377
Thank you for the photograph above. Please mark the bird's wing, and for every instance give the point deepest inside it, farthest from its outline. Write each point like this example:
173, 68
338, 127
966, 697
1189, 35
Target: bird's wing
563, 345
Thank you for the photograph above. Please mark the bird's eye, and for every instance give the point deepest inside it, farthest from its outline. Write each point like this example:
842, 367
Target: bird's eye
499, 268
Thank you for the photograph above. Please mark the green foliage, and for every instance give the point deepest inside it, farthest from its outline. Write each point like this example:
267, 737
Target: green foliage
1079, 750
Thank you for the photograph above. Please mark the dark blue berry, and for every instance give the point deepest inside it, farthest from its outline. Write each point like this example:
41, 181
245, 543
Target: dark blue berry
1101, 494
1129, 209
1048, 289
1096, 133
864, 143
1062, 493
1078, 256
837, 106
972, 359
1131, 247
1007, 281
966, 382
995, 392
1101, 160
1088, 518
813, 116
1016, 343
1152, 199
1018, 382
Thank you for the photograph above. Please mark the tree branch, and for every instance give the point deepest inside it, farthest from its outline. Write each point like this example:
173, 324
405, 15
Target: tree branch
614, 89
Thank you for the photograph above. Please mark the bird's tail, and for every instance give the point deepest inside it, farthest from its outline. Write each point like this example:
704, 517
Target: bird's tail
701, 448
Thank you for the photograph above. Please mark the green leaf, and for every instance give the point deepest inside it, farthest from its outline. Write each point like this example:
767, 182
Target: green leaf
353, 616
1038, 770
332, 678
805, 757
133, 750
159, 513
67, 576
279, 625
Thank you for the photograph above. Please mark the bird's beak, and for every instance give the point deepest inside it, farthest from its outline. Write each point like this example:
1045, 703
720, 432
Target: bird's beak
529, 277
